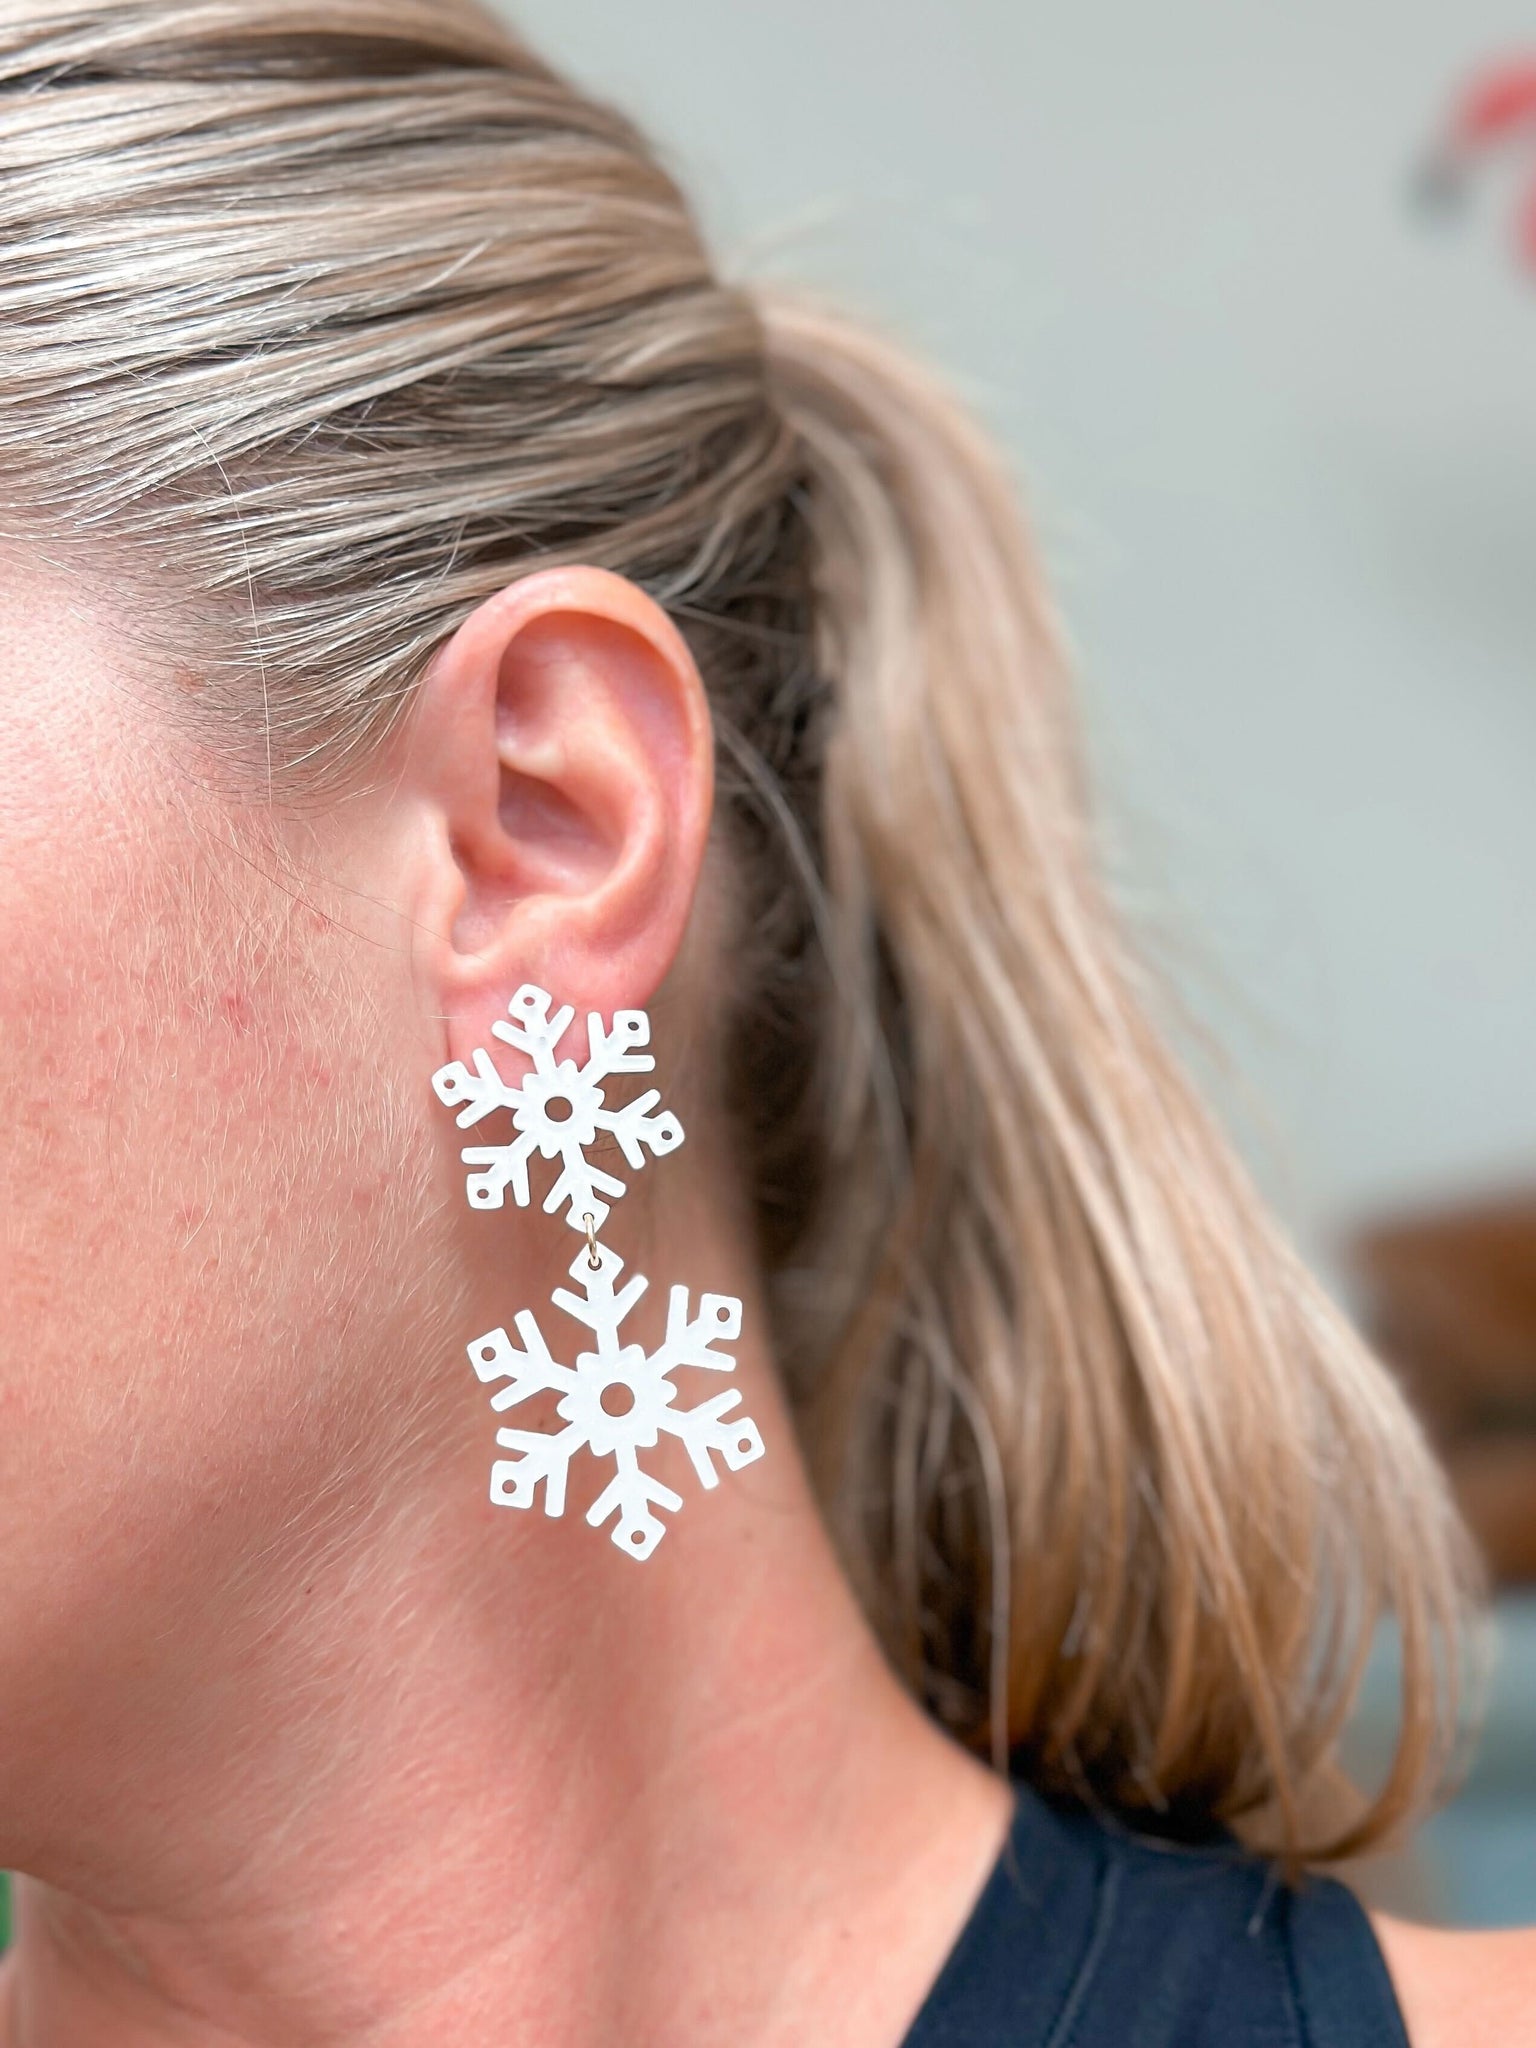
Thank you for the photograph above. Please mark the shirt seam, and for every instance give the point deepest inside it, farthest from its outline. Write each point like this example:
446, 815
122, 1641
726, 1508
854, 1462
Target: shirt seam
1290, 1980
1066, 2020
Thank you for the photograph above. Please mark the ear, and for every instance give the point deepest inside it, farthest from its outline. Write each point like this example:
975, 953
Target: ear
562, 750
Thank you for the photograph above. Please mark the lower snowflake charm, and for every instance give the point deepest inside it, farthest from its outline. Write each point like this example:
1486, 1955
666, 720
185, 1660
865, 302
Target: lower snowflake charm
615, 1401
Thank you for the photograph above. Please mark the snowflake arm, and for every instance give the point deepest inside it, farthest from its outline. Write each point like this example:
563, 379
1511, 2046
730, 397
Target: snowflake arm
620, 1050
480, 1091
634, 1493
529, 1371
533, 1030
692, 1342
583, 1187
598, 1306
638, 1131
513, 1480
702, 1432
506, 1166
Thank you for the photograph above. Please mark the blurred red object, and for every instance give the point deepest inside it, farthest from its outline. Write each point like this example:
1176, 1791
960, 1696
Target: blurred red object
1495, 108
1496, 103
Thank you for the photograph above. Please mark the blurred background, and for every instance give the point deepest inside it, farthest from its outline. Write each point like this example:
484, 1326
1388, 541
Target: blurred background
1251, 297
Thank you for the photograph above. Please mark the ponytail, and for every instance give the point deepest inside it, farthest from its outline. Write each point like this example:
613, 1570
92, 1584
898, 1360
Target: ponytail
1124, 1493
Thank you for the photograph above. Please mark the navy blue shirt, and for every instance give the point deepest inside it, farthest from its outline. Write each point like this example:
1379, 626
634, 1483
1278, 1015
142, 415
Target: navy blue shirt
1089, 1937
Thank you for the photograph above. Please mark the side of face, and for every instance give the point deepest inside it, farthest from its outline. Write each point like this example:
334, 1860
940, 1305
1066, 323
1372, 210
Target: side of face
220, 1215
235, 1230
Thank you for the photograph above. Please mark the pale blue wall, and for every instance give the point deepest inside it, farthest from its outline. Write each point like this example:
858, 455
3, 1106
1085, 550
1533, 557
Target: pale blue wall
1281, 441
1280, 438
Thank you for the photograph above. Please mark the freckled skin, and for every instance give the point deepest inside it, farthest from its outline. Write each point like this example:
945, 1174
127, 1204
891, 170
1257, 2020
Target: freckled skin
193, 1060
268, 1651
235, 1005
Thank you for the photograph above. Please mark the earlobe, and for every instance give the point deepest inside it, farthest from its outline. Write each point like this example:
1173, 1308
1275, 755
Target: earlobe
562, 751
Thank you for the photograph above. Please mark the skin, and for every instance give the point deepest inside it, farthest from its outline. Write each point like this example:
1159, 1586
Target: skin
1462, 1990
306, 1742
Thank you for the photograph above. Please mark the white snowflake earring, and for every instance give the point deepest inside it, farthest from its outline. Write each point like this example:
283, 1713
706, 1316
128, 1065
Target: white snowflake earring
617, 1399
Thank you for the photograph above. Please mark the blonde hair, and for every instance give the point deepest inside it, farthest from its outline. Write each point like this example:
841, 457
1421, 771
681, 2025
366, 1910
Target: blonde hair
324, 318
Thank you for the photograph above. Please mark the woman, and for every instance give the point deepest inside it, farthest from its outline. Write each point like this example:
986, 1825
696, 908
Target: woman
434, 600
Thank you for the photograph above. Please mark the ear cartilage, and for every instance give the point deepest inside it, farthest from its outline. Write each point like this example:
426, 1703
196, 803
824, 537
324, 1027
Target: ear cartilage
617, 1399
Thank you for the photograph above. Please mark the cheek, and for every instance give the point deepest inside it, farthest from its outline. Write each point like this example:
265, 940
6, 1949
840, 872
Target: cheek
202, 1223
215, 1207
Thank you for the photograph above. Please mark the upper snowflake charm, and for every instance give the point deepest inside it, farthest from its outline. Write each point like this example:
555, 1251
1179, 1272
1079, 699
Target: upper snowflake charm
615, 1401
558, 1109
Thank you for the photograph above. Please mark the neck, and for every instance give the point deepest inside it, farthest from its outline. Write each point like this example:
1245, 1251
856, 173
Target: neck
472, 1775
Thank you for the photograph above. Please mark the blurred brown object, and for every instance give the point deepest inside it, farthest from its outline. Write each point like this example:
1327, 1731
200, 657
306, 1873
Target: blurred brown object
1450, 1300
